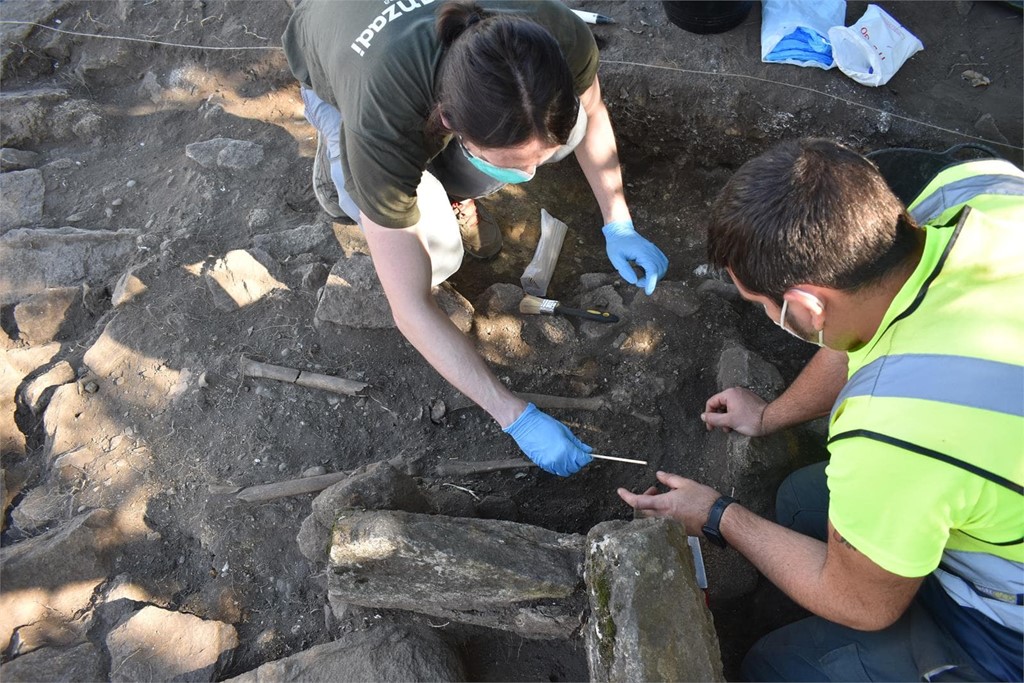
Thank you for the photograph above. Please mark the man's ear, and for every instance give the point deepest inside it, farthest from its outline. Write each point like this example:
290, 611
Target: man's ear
811, 299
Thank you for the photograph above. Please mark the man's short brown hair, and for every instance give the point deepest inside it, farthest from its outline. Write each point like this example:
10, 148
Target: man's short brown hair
808, 211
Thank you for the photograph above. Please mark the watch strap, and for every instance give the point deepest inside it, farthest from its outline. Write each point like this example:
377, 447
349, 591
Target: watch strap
711, 527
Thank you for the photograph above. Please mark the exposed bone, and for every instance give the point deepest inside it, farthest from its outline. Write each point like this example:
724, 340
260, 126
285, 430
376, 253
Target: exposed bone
312, 380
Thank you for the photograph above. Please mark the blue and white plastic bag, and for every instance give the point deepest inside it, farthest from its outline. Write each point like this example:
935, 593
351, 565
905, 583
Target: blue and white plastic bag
872, 50
796, 31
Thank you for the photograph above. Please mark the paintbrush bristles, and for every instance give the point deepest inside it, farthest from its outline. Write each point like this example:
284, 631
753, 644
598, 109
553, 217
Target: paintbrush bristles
533, 305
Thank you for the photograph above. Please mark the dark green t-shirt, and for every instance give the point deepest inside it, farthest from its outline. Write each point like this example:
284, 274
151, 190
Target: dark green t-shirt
376, 60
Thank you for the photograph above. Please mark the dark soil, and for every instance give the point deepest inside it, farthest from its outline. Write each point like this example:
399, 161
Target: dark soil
680, 135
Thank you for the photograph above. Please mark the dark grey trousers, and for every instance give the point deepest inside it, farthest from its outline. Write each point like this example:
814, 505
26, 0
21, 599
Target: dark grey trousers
915, 648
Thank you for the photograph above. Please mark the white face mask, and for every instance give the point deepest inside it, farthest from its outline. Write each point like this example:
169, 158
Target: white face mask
781, 322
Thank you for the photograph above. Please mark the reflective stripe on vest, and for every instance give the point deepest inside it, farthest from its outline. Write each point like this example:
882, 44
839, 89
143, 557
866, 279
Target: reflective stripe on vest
962, 191
960, 380
969, 576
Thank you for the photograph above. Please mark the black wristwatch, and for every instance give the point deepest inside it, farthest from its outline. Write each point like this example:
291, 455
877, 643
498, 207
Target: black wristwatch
710, 528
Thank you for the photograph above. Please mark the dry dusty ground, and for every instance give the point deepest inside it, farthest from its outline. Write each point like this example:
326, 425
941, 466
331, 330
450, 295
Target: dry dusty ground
171, 416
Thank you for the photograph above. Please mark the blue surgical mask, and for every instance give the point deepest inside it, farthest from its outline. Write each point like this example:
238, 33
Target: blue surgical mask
511, 176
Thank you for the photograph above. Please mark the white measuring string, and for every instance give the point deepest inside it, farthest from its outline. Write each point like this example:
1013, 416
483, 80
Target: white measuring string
815, 91
604, 61
141, 40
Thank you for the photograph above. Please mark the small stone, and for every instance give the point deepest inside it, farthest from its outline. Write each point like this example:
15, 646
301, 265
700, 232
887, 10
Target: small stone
75, 217
17, 160
315, 471
108, 212
437, 411
91, 387
130, 184
117, 202
153, 536
975, 78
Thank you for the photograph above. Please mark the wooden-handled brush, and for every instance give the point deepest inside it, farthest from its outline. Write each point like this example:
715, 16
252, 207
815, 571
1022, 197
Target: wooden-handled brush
532, 305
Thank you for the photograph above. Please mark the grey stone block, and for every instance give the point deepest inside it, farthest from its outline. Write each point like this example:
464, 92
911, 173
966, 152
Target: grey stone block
225, 153
298, 240
17, 160
21, 199
676, 297
740, 367
353, 296
649, 620
375, 487
27, 113
381, 653
56, 665
44, 315
32, 260
492, 573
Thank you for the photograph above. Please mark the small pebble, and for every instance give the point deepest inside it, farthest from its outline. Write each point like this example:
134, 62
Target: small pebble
75, 217
153, 536
314, 471
130, 183
108, 212
117, 202
92, 387
521, 475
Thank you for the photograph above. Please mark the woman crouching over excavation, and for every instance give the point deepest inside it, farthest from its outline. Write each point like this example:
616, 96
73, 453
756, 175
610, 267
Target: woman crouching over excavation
421, 107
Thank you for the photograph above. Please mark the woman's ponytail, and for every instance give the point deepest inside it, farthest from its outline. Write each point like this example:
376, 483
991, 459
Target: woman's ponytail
453, 18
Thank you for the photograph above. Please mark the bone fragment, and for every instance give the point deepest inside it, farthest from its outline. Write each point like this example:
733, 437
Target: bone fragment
312, 380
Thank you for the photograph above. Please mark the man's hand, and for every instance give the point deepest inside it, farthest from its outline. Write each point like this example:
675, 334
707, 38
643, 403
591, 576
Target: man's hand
736, 409
687, 502
624, 244
548, 442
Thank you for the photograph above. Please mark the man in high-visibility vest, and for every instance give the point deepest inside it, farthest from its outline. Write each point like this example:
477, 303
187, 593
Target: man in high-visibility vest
912, 557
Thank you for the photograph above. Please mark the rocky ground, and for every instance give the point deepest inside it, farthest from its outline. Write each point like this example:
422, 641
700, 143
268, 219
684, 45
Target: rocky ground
158, 227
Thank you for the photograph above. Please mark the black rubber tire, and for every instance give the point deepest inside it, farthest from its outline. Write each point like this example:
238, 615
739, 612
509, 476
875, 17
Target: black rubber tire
707, 16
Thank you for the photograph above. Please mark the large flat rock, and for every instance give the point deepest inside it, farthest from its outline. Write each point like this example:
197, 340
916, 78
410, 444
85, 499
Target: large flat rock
649, 620
383, 653
49, 581
21, 198
33, 259
155, 644
504, 575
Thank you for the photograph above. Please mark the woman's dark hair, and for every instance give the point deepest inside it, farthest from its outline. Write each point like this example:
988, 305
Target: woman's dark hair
809, 211
502, 81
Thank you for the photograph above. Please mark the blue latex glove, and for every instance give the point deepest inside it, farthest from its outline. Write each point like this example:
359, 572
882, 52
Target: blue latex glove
548, 442
624, 244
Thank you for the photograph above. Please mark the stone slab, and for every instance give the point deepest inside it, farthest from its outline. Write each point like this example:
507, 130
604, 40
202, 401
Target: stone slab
33, 259
503, 575
381, 653
648, 617
49, 580
21, 199
56, 665
155, 644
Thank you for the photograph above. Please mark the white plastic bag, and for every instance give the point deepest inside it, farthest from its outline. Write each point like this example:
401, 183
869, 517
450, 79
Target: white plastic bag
872, 50
796, 31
